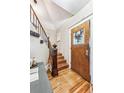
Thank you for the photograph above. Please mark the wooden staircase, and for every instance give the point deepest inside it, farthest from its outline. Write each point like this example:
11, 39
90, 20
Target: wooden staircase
61, 62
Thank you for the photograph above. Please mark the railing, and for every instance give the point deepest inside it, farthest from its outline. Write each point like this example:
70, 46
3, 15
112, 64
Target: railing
52, 60
34, 20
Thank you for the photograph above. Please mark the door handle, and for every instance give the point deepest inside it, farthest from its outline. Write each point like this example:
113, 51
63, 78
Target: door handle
86, 53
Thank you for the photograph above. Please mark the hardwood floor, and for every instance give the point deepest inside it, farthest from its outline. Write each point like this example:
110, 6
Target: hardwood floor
69, 82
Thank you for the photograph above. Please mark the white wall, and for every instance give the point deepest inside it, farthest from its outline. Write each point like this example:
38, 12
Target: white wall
72, 6
37, 50
40, 51
51, 34
91, 49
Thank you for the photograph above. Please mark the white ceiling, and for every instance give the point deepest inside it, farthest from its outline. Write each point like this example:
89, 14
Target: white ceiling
55, 11
72, 6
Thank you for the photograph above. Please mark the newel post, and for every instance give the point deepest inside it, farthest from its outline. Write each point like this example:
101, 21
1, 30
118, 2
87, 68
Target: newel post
54, 61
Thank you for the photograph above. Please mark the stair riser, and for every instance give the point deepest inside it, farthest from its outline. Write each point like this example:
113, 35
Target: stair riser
63, 67
61, 57
61, 62
59, 54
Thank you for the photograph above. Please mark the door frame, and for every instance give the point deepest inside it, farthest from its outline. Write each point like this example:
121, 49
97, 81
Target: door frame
89, 18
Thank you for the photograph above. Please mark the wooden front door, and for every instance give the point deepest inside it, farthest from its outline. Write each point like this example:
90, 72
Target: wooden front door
80, 50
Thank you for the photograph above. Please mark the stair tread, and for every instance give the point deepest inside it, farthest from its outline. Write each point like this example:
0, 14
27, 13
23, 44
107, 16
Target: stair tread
61, 60
59, 54
63, 67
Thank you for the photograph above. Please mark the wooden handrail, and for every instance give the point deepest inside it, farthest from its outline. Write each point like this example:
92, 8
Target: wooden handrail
37, 19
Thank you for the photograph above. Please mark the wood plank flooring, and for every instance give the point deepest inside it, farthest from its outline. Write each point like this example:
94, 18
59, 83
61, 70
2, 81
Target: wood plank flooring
69, 82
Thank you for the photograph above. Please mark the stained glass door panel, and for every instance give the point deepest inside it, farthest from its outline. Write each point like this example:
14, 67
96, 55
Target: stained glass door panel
78, 37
